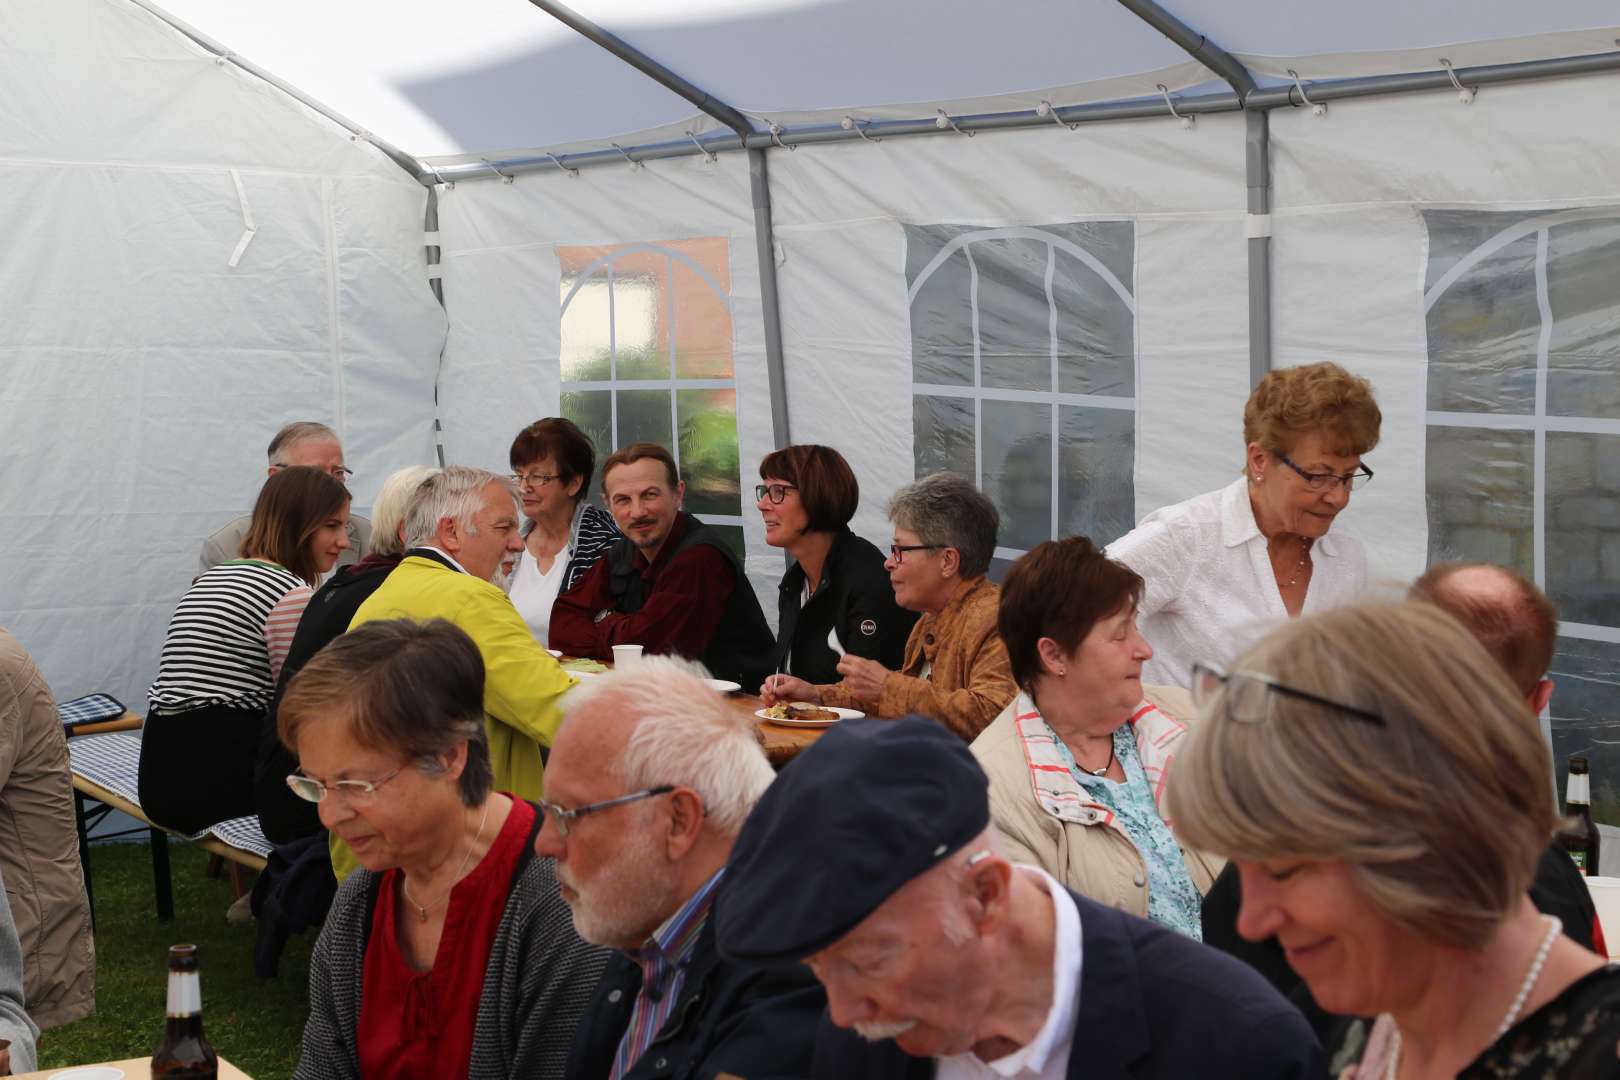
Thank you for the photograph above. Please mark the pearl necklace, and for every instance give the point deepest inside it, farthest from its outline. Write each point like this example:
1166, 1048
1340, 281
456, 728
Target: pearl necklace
1304, 561
404, 887
1554, 928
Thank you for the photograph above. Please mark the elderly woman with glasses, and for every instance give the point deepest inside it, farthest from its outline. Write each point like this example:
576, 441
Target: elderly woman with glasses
1079, 762
1222, 567
955, 667
452, 954
835, 599
1385, 796
564, 535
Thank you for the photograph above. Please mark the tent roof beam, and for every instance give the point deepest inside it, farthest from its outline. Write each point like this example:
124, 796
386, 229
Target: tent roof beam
1199, 47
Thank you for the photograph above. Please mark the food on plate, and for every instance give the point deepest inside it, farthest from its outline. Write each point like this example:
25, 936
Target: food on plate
800, 710
591, 666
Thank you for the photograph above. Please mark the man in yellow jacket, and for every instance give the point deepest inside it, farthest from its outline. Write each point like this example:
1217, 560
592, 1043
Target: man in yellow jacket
460, 527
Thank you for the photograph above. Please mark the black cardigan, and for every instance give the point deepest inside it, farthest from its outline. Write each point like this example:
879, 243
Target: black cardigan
855, 597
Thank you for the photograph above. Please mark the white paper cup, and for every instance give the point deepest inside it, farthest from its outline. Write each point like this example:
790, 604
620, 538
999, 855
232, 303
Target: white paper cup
626, 656
1606, 898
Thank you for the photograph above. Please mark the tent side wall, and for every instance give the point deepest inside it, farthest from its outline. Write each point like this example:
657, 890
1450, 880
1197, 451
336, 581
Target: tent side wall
195, 260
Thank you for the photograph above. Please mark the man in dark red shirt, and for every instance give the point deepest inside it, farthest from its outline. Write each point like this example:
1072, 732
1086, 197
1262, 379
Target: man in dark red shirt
670, 585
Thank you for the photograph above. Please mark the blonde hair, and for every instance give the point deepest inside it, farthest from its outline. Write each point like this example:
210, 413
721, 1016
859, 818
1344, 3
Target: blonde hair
389, 509
1292, 402
1441, 813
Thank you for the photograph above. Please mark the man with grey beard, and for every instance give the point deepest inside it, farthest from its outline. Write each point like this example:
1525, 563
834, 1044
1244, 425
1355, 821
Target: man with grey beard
657, 750
871, 859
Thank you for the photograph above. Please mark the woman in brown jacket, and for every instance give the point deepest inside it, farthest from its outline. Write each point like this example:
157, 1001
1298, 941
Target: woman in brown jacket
955, 668
39, 849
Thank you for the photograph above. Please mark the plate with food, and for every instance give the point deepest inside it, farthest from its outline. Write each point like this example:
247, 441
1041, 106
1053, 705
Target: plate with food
807, 714
583, 667
723, 686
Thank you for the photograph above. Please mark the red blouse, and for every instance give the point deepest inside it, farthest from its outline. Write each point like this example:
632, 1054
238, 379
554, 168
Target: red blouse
417, 1025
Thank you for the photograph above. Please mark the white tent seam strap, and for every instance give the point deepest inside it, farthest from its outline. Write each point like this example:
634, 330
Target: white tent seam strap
1256, 226
249, 229
333, 306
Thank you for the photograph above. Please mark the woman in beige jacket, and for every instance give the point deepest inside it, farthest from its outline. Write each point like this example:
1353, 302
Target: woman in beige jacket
1078, 762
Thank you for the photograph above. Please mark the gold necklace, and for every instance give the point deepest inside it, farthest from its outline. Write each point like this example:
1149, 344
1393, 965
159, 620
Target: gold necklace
1304, 560
421, 911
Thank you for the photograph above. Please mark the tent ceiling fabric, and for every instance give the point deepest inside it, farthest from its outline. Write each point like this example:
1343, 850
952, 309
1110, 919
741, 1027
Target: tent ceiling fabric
502, 75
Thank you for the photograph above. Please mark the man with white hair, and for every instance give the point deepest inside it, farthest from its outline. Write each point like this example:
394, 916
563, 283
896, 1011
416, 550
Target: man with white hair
656, 749
302, 442
460, 526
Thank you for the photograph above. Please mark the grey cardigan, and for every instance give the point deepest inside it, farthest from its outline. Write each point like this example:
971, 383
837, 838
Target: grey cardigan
538, 983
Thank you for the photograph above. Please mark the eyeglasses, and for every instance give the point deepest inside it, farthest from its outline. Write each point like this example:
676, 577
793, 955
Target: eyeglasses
897, 552
336, 472
534, 480
565, 817
1324, 481
777, 492
312, 790
1249, 695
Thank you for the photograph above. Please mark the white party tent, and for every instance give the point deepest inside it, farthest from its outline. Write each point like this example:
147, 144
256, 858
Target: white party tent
1048, 243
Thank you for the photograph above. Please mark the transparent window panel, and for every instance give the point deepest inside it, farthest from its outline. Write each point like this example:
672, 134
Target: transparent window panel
644, 417
941, 317
708, 425
1112, 243
702, 324
586, 332
1483, 332
1479, 495
641, 316
1583, 526
942, 434
592, 411
1586, 717
1017, 459
1583, 290
1096, 332
1096, 473
1015, 332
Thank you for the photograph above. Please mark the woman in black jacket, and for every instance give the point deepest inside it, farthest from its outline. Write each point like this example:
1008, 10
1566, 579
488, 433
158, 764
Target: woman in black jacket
836, 597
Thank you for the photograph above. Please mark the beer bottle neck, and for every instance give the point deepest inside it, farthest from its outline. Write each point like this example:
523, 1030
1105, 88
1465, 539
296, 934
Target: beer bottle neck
1578, 792
185, 995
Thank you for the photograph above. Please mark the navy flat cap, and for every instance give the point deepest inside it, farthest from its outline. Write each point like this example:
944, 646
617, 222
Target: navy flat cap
869, 806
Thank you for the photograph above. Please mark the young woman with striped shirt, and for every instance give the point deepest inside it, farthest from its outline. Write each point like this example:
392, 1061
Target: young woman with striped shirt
225, 643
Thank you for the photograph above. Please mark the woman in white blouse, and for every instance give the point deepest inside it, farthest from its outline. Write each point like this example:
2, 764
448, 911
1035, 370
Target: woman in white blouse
552, 461
1223, 567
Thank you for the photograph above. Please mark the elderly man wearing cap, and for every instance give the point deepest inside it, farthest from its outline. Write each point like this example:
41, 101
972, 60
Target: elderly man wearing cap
948, 961
650, 778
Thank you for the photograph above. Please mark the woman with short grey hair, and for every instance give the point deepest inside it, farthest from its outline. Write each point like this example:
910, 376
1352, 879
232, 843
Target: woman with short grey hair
955, 668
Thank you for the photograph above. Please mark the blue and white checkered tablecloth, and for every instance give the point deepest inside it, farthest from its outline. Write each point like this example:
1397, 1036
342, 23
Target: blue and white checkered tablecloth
114, 762
90, 708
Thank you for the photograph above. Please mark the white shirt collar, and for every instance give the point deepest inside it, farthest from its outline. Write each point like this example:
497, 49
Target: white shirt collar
1048, 1052
1239, 527
447, 557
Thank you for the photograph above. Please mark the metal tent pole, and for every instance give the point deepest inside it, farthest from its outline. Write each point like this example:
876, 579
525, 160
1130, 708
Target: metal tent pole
764, 232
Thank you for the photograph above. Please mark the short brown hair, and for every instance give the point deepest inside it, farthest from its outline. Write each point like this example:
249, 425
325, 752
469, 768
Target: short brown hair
416, 689
1292, 402
1060, 590
560, 440
1517, 625
827, 485
629, 455
293, 503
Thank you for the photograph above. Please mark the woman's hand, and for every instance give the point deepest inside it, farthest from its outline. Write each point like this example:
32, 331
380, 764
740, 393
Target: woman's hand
787, 688
864, 678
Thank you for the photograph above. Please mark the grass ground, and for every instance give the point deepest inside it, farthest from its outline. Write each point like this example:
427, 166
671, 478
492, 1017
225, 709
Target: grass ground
256, 1024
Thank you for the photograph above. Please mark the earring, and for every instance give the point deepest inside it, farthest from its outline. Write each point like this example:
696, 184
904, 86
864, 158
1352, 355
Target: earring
1063, 673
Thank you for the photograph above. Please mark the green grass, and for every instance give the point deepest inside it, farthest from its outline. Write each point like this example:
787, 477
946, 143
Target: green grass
256, 1024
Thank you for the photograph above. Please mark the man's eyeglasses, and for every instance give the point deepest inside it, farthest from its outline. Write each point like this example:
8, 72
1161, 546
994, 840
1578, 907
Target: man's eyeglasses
1324, 481
777, 492
897, 552
312, 790
534, 480
1249, 695
565, 817
336, 472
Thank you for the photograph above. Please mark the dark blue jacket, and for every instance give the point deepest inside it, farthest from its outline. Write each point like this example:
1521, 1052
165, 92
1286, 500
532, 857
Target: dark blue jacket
746, 1021
1154, 1005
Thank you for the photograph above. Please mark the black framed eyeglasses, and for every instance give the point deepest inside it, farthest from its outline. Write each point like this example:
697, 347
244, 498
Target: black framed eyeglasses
897, 552
1324, 481
777, 492
566, 817
1249, 695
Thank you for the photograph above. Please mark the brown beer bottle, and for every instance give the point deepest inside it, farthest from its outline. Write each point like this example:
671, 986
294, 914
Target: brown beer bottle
184, 1053
1580, 835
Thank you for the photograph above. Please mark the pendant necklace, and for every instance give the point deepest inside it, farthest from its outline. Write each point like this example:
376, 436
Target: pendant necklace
1304, 561
421, 911
1106, 765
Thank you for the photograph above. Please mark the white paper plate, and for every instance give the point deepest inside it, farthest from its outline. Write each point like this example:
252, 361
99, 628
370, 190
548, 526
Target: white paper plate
723, 686
89, 1072
843, 714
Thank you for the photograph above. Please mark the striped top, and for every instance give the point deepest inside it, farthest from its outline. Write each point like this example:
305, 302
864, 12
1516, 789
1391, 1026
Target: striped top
663, 961
216, 651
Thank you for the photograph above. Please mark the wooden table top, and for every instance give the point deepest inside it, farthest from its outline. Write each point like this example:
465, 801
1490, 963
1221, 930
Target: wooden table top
134, 1069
